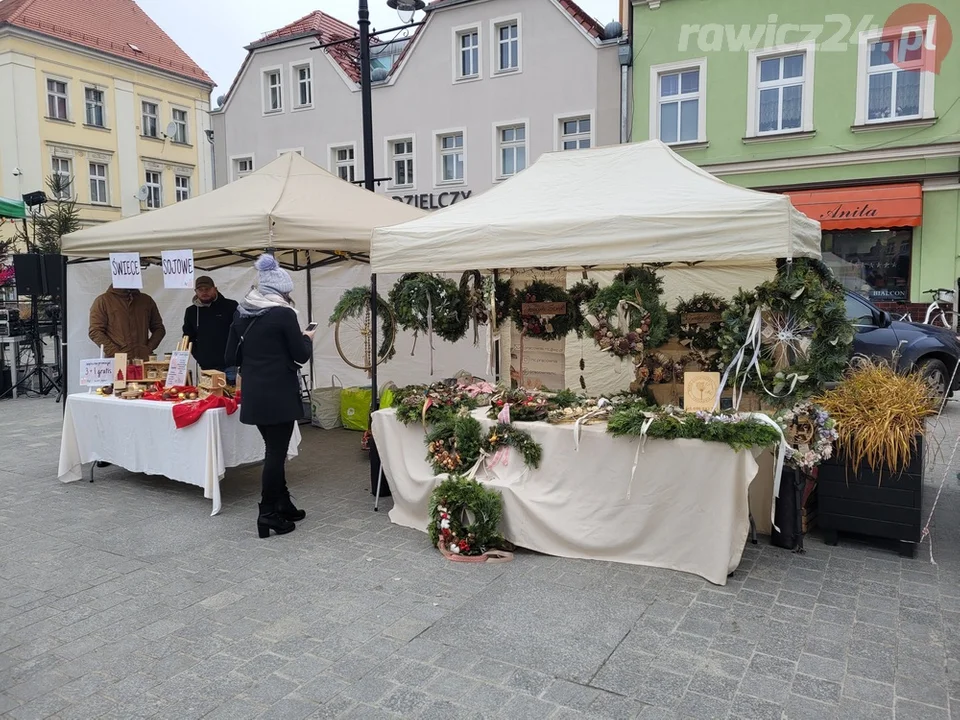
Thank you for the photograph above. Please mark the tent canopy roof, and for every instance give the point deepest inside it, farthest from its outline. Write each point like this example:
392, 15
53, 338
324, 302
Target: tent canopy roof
606, 207
15, 209
289, 204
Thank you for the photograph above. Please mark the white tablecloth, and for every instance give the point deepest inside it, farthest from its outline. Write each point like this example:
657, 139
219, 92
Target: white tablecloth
687, 508
140, 436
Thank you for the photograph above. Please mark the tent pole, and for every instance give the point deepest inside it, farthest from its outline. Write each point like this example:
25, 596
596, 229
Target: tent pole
309, 307
64, 342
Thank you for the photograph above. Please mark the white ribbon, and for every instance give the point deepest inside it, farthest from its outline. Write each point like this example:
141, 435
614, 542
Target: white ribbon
623, 315
752, 341
430, 330
578, 425
640, 448
781, 457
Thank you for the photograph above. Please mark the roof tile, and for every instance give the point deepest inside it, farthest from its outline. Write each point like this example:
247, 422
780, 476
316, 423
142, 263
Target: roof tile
114, 27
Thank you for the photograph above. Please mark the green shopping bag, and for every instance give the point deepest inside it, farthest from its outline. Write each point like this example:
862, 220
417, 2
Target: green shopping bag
355, 408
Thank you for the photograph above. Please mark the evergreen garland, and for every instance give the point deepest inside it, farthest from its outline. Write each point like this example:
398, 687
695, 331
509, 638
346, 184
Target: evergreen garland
502, 435
355, 302
445, 401
417, 295
536, 326
807, 293
452, 504
740, 433
453, 444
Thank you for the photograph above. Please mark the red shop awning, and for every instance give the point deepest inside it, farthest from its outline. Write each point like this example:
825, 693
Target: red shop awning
865, 207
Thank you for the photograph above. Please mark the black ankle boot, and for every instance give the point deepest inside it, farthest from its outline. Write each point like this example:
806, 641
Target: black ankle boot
272, 519
288, 510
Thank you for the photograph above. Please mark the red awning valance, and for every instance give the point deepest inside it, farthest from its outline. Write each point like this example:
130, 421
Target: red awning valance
865, 207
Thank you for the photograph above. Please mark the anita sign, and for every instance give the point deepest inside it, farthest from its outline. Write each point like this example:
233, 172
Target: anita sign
849, 211
434, 201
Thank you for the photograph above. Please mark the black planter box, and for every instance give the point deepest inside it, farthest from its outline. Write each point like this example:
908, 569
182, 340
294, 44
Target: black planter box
886, 504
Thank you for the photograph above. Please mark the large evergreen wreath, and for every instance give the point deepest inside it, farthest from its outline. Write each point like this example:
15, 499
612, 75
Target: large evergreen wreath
581, 294
646, 316
465, 517
354, 303
418, 297
539, 326
503, 296
805, 338
453, 444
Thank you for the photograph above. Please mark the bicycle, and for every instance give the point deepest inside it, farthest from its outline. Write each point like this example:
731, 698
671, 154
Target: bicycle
937, 315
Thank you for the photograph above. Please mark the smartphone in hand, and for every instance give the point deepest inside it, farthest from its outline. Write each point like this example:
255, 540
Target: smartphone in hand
311, 327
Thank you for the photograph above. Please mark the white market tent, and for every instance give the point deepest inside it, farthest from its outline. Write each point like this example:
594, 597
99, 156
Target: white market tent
313, 220
289, 205
602, 208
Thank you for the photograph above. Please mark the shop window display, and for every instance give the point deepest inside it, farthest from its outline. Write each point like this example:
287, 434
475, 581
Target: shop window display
874, 263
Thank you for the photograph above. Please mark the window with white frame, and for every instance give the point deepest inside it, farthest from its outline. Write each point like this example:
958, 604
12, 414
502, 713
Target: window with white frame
468, 53
63, 177
150, 114
451, 157
575, 133
344, 160
507, 35
679, 104
894, 79
57, 102
303, 77
780, 88
182, 186
154, 183
98, 184
511, 150
242, 166
180, 121
273, 91
93, 100
401, 151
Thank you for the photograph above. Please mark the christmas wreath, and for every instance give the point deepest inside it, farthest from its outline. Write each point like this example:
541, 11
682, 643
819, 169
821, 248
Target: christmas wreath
541, 326
697, 323
503, 436
525, 406
475, 303
465, 517
799, 321
581, 294
627, 318
431, 404
810, 435
453, 444
355, 303
423, 302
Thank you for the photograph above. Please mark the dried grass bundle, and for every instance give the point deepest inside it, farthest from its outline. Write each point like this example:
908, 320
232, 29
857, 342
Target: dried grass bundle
879, 412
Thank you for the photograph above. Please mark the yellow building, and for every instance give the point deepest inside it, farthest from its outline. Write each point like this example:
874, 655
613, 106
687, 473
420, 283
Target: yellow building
96, 92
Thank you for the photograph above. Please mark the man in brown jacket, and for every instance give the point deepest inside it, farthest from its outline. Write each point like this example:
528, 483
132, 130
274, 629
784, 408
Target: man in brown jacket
126, 321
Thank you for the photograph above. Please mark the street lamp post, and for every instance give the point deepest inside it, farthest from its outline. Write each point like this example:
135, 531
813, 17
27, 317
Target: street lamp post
402, 7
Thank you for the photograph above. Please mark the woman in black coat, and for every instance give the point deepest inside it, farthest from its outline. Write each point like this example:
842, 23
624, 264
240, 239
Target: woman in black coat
268, 346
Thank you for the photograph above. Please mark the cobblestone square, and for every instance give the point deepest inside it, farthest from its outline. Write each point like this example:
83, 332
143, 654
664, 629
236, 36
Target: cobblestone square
124, 599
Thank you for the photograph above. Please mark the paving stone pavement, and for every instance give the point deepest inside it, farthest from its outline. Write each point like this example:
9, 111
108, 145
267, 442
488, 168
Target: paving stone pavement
124, 599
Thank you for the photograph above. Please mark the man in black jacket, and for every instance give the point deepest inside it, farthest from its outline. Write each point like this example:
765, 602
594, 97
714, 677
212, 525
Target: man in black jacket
207, 323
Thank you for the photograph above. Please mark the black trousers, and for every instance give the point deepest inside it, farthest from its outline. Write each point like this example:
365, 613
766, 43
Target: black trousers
273, 481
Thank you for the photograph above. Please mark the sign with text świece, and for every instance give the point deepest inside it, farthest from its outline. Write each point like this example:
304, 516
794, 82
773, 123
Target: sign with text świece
177, 269
96, 373
177, 374
125, 271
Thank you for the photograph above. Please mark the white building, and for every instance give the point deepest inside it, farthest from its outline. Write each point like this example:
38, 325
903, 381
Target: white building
478, 93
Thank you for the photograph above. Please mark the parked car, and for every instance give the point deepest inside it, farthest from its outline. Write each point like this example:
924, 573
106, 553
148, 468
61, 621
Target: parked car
934, 351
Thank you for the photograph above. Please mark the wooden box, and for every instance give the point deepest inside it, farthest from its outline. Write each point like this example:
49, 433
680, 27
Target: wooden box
154, 370
212, 382
886, 504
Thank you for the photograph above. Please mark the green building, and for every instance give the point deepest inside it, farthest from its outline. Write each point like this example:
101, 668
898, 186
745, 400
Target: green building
850, 107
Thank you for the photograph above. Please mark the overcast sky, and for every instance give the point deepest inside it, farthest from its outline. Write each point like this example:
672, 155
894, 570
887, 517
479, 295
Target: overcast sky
214, 32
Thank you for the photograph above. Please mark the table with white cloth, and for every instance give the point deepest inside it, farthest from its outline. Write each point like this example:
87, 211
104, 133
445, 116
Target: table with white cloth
140, 436
684, 508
